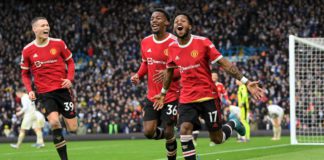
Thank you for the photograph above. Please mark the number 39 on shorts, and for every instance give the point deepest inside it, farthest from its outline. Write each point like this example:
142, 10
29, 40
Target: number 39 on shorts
172, 109
68, 106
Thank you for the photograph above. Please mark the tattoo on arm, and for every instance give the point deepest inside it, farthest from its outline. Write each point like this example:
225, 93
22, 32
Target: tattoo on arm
168, 78
230, 68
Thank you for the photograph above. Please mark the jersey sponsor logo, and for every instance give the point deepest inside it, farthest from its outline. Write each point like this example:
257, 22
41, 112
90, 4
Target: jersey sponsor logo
151, 61
40, 63
182, 69
166, 52
35, 55
149, 50
53, 51
194, 53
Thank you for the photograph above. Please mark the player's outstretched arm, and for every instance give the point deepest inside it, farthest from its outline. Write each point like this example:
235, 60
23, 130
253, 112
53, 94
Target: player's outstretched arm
231, 69
159, 99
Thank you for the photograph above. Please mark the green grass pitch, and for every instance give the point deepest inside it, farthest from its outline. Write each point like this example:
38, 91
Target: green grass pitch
259, 148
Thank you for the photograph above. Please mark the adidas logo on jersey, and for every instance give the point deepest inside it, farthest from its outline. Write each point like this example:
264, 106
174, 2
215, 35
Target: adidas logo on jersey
149, 50
177, 58
35, 55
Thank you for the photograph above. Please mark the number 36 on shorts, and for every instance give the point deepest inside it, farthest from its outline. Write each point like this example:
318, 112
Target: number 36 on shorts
171, 109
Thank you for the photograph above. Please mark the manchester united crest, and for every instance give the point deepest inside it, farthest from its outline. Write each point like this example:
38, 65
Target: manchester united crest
194, 53
53, 51
166, 52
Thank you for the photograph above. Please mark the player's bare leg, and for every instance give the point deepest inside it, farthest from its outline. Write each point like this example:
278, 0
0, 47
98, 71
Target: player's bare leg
276, 128
20, 139
58, 139
40, 140
188, 148
71, 124
171, 143
151, 131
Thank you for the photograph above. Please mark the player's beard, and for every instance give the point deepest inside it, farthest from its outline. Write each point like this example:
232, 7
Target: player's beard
187, 32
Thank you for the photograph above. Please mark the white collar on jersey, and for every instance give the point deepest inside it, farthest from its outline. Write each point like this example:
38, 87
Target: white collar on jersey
186, 45
43, 45
159, 42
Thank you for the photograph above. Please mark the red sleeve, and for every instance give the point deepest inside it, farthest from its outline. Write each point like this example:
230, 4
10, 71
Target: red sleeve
213, 54
66, 53
25, 72
71, 69
67, 56
143, 68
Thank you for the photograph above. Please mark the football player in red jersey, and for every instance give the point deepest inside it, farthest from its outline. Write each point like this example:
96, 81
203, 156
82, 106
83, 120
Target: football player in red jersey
50, 63
198, 96
154, 58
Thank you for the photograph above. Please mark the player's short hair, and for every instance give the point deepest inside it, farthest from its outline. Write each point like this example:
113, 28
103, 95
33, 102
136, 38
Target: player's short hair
214, 71
185, 14
36, 19
166, 14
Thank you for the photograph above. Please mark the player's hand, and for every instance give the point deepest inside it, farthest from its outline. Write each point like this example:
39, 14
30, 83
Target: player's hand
159, 76
228, 102
135, 79
32, 95
159, 101
255, 90
66, 83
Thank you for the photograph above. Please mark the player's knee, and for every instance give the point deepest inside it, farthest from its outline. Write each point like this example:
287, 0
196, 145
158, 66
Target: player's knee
186, 128
149, 133
55, 124
168, 134
217, 140
73, 128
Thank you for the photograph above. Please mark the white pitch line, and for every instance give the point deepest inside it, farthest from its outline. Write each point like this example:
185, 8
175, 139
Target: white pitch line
42, 151
236, 150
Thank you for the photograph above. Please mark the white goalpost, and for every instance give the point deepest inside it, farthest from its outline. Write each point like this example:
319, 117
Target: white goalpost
306, 81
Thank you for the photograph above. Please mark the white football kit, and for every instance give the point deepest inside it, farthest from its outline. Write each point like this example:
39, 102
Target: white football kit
32, 118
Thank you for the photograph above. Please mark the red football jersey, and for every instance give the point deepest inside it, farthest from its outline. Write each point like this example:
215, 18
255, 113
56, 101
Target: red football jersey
193, 60
222, 93
48, 65
155, 55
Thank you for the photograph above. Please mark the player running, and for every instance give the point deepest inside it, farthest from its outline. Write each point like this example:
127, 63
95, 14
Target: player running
154, 57
198, 97
222, 94
50, 63
32, 119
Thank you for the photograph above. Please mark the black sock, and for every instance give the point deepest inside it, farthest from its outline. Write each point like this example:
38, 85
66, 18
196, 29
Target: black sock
195, 135
159, 134
60, 143
188, 148
227, 130
171, 146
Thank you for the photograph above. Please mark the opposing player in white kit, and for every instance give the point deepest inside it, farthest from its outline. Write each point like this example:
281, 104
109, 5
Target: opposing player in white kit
32, 119
276, 114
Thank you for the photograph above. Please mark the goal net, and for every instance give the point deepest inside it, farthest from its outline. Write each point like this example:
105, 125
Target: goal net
306, 78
